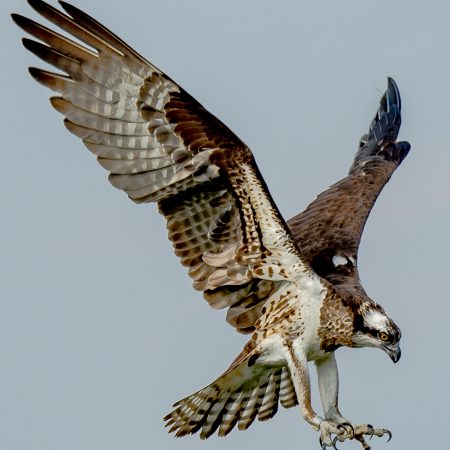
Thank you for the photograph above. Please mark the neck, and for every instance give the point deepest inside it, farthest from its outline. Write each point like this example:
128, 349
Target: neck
336, 322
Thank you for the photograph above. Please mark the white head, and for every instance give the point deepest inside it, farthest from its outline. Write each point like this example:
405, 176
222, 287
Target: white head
373, 328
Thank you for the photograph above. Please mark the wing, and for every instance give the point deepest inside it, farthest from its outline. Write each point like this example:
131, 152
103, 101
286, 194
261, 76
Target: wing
328, 232
160, 145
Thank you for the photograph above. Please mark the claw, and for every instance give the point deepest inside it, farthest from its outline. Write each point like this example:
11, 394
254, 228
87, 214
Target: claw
344, 425
389, 435
322, 444
333, 444
372, 431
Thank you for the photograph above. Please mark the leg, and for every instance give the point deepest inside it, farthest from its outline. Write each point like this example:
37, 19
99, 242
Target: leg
328, 379
298, 367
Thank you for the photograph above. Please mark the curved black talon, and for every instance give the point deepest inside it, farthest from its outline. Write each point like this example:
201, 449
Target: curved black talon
333, 444
322, 444
389, 435
346, 424
372, 431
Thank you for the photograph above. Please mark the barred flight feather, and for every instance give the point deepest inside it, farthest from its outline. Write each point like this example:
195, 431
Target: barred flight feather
161, 145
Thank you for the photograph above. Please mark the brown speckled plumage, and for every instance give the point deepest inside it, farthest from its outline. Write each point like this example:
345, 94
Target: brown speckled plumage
336, 323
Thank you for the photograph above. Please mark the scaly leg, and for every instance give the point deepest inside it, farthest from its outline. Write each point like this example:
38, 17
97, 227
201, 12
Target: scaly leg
328, 379
298, 367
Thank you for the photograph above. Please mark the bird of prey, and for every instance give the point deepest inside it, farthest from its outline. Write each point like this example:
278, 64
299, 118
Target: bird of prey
294, 286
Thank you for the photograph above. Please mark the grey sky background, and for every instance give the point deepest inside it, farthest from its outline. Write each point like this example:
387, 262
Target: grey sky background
100, 331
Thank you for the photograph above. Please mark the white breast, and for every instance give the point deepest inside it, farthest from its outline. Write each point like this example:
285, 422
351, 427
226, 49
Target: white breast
313, 294
306, 297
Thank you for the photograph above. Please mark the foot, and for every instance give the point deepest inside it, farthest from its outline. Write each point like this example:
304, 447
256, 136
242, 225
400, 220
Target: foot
330, 432
337, 428
360, 432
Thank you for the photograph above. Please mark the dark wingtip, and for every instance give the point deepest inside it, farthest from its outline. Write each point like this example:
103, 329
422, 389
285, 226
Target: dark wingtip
35, 73
44, 9
67, 6
36, 4
403, 149
21, 21
17, 19
381, 139
393, 94
29, 44
386, 124
390, 102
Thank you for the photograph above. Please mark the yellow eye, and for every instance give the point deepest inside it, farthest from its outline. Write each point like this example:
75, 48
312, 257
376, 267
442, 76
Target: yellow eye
384, 336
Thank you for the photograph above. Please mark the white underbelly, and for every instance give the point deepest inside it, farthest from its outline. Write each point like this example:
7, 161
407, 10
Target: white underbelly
311, 294
310, 306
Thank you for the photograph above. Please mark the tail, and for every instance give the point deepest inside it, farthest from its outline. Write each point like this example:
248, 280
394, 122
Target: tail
240, 395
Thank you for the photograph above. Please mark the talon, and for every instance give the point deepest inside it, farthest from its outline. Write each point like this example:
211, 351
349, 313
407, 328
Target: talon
333, 444
372, 431
346, 424
322, 444
389, 435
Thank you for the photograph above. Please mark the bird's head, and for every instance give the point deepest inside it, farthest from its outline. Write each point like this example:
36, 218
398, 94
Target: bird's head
373, 328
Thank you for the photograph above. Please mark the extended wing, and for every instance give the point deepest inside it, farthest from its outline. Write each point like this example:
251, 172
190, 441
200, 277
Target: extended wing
329, 230
159, 144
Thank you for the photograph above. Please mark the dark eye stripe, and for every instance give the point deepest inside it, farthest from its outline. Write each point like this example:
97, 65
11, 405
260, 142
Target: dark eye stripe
360, 326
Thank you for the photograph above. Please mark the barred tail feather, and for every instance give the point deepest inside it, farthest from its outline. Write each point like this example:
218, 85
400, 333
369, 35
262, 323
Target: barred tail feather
238, 397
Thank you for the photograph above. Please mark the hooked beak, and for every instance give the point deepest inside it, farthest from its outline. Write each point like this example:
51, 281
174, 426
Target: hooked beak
393, 350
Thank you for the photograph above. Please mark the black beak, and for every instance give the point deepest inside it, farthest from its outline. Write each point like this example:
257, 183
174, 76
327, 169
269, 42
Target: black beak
393, 351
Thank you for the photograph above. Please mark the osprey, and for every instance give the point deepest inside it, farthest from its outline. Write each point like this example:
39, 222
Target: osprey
294, 287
